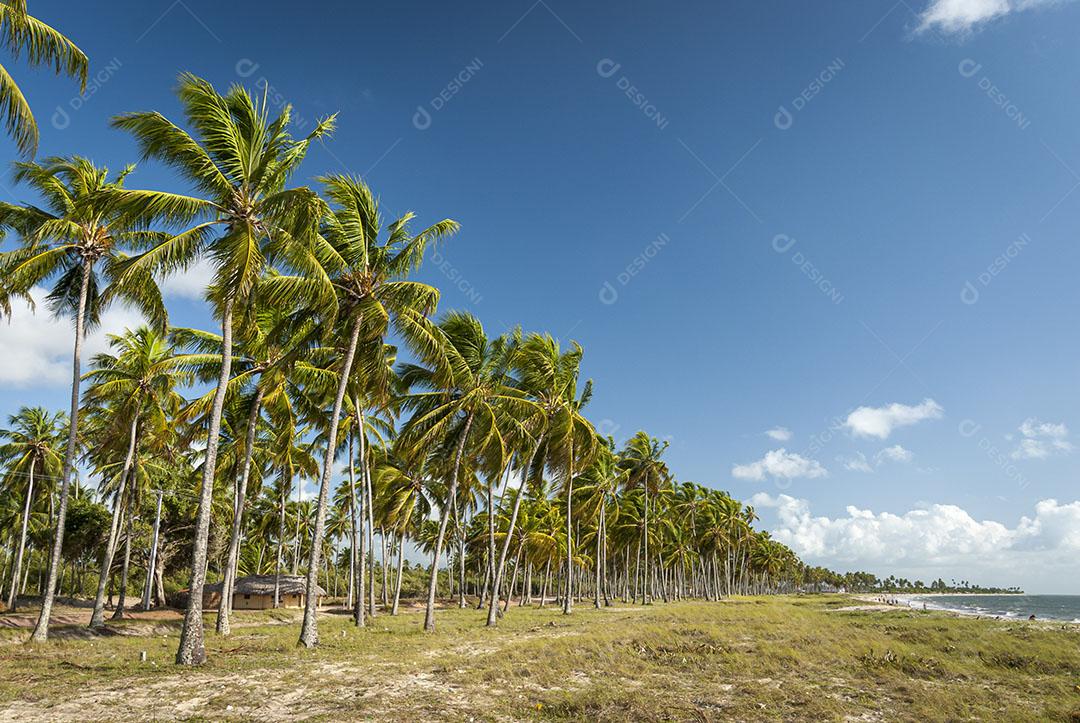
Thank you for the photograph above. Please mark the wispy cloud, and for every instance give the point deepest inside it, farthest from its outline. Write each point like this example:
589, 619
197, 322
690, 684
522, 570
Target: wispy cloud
1039, 440
963, 16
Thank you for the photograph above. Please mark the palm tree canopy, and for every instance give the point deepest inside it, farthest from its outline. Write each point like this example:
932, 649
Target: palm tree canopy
22, 35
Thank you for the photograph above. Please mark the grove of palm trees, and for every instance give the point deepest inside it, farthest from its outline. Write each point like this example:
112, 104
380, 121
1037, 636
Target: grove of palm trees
425, 436
417, 468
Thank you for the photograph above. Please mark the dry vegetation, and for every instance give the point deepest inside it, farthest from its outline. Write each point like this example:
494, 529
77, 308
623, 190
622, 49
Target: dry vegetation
749, 659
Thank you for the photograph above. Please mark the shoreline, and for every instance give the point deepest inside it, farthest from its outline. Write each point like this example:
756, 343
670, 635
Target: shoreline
915, 601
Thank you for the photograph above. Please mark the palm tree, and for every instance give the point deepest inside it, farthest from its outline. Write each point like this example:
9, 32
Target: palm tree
78, 234
598, 488
467, 389
31, 449
20, 33
641, 461
239, 161
290, 459
570, 442
369, 280
135, 385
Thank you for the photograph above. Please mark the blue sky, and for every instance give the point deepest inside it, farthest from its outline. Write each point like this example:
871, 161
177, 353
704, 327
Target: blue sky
854, 221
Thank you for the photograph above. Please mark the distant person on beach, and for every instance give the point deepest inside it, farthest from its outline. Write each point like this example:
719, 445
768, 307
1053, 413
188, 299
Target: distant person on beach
1032, 617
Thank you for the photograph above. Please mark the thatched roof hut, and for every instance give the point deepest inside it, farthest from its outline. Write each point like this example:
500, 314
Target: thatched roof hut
256, 592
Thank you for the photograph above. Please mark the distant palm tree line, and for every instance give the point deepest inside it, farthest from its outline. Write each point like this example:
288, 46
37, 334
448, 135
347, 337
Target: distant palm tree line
477, 451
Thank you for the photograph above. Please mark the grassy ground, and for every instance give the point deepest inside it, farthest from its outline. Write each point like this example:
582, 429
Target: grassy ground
752, 659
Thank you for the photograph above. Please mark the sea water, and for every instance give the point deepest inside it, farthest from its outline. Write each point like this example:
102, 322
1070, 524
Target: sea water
1043, 607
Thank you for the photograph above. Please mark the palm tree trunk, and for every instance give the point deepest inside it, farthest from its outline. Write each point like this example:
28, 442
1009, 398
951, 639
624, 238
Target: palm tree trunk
151, 561
97, 618
232, 557
568, 599
547, 579
599, 561
385, 573
514, 576
192, 649
369, 506
493, 607
451, 495
461, 554
41, 630
13, 597
281, 540
118, 614
645, 587
309, 634
400, 567
356, 580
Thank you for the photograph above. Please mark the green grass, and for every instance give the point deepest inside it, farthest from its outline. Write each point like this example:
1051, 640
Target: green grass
753, 659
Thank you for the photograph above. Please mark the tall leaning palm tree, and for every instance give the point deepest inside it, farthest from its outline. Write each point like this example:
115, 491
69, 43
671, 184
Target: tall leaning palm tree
239, 161
76, 241
43, 46
369, 277
31, 449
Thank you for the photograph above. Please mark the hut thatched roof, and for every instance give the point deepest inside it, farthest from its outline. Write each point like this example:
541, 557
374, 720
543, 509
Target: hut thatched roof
264, 585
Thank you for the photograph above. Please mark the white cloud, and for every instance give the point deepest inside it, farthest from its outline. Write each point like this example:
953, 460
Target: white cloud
933, 540
895, 453
881, 421
780, 434
190, 283
1039, 440
779, 463
35, 348
961, 16
858, 463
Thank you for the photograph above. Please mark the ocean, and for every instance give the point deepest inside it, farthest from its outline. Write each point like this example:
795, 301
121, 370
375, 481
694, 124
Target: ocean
1043, 607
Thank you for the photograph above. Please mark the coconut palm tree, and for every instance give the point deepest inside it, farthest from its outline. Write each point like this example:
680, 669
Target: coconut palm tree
239, 162
76, 241
134, 387
466, 390
43, 46
551, 377
369, 280
31, 450
644, 470
597, 489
